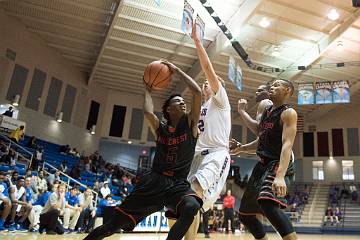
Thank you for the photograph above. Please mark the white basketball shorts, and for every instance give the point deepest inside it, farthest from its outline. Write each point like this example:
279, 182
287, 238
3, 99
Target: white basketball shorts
211, 171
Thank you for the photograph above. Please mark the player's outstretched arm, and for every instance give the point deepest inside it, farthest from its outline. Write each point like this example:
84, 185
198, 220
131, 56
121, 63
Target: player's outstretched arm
194, 114
289, 121
205, 62
236, 147
149, 111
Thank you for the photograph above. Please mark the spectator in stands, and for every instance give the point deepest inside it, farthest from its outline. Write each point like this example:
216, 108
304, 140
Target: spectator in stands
75, 172
294, 208
9, 159
53, 176
17, 134
14, 177
41, 183
87, 217
34, 214
354, 193
229, 204
37, 159
54, 207
106, 202
329, 215
105, 190
65, 149
28, 173
74, 152
338, 215
3, 147
5, 202
96, 187
63, 167
32, 143
19, 204
9, 112
72, 210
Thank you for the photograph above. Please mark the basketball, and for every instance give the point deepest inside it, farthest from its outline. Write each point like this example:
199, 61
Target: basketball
157, 76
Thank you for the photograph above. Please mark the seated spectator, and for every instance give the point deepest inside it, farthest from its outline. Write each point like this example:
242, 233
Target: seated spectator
54, 207
34, 214
32, 143
354, 193
72, 210
64, 149
3, 148
74, 152
41, 183
53, 176
294, 208
96, 187
87, 217
19, 204
106, 202
75, 172
329, 216
10, 158
338, 215
17, 134
14, 177
105, 190
63, 167
5, 202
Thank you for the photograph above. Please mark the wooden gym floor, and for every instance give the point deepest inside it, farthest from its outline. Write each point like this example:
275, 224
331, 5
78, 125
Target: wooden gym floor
149, 236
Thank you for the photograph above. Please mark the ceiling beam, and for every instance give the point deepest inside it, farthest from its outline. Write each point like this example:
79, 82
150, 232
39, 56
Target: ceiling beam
117, 11
153, 36
137, 44
313, 54
291, 21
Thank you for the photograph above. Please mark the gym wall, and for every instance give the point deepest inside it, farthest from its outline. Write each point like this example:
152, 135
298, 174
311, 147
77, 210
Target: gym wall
52, 81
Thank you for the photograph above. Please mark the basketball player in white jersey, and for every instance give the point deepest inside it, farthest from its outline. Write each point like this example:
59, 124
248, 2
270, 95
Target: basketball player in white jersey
211, 163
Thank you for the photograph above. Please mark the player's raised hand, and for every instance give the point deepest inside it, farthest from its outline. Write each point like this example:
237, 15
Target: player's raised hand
194, 34
173, 68
242, 105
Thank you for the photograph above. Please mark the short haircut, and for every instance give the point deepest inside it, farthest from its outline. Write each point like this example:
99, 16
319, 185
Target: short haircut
266, 85
286, 83
166, 105
290, 85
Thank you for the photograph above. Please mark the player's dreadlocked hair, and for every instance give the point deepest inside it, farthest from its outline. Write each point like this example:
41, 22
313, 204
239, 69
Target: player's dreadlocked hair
166, 105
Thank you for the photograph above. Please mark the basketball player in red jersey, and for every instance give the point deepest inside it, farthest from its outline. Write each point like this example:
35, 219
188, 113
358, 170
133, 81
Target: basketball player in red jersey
166, 185
267, 185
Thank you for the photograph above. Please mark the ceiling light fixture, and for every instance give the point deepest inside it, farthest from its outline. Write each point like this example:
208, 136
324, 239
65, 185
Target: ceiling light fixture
16, 100
333, 14
264, 22
59, 117
92, 130
340, 45
276, 51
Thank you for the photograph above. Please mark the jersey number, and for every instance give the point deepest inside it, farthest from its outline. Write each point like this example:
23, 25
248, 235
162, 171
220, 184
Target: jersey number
201, 125
171, 156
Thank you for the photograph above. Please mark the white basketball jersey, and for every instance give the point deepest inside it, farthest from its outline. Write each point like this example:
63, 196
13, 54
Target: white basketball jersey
215, 122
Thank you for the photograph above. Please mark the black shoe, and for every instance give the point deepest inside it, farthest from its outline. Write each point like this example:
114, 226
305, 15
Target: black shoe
207, 236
